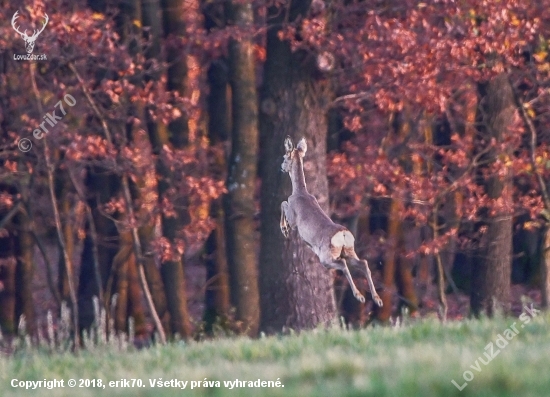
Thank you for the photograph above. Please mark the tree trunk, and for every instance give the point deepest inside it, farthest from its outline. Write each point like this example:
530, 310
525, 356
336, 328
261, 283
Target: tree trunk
63, 197
296, 290
175, 15
120, 264
136, 310
100, 186
411, 240
241, 181
545, 267
120, 256
383, 313
24, 246
8, 265
217, 294
492, 266
177, 135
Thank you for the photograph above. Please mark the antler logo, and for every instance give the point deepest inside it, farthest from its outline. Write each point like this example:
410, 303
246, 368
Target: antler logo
29, 40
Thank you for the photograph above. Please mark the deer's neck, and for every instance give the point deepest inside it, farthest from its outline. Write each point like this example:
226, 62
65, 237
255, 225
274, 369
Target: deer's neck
297, 177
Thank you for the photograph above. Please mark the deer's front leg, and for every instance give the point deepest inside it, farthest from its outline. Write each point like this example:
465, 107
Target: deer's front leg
357, 263
285, 227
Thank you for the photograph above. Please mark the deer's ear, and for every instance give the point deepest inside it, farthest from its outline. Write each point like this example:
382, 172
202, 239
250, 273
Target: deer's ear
302, 146
288, 144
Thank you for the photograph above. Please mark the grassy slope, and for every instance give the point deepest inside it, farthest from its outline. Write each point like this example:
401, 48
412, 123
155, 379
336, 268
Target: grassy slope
419, 359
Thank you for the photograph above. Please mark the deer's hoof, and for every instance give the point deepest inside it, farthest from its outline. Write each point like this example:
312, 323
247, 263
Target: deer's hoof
378, 301
285, 231
360, 298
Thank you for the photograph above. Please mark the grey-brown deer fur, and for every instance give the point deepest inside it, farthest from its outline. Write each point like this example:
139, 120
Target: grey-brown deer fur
332, 243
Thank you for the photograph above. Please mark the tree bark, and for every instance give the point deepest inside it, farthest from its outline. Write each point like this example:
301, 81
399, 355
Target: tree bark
545, 267
383, 313
63, 196
296, 290
8, 265
177, 15
411, 240
124, 266
217, 294
241, 181
120, 264
217, 297
492, 264
24, 247
101, 186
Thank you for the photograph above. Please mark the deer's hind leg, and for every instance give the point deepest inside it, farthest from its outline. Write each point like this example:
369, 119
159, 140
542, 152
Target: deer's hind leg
340, 264
363, 266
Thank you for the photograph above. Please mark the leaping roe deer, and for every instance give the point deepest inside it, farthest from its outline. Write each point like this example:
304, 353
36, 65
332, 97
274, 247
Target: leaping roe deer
332, 243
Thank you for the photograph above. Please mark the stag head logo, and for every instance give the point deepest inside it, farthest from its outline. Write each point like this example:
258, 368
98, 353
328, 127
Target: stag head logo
29, 40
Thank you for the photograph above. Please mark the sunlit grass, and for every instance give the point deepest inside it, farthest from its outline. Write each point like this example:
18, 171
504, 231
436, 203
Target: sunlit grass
418, 359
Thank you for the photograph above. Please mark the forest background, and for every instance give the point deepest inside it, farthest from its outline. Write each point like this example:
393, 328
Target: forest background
155, 195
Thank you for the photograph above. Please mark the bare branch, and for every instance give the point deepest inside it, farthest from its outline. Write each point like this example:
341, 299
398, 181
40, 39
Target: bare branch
533, 144
10, 214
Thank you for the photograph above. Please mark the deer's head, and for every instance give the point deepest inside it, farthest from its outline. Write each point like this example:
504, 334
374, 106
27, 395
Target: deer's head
293, 154
29, 40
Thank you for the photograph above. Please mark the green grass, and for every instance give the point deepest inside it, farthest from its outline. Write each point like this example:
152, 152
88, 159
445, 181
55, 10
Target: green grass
419, 359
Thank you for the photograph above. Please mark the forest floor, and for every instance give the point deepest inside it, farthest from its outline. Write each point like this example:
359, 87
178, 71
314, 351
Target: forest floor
415, 358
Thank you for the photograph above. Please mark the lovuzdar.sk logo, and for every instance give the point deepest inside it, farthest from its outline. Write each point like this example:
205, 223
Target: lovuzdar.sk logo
29, 40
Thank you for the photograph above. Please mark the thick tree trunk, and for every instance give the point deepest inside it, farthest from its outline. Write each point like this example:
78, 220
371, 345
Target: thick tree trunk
159, 292
545, 267
174, 16
177, 15
63, 196
24, 246
136, 310
8, 265
383, 313
217, 295
411, 240
241, 181
114, 248
120, 264
100, 187
492, 266
296, 290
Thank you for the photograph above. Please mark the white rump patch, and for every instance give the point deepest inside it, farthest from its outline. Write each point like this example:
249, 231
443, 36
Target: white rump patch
343, 238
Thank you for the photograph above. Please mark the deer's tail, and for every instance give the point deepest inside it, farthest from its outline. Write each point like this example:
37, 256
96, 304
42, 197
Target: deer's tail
343, 239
